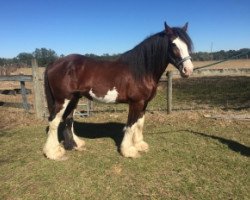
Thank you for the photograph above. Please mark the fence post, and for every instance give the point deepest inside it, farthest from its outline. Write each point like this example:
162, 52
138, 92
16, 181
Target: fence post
169, 92
24, 97
39, 105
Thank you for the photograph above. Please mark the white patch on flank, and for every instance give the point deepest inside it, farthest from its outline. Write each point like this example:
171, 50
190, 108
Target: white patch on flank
52, 148
110, 97
187, 65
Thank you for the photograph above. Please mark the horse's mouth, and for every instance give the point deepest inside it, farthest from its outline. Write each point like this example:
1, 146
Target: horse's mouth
183, 75
187, 69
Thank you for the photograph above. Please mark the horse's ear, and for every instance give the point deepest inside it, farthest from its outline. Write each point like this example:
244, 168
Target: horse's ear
185, 27
168, 29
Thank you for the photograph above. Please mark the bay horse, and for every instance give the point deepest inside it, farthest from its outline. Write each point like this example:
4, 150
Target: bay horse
131, 79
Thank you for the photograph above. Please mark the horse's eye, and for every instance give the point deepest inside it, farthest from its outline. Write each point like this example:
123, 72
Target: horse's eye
176, 50
173, 45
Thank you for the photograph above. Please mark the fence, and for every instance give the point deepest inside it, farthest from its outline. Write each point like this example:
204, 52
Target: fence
38, 88
39, 97
200, 73
22, 79
39, 103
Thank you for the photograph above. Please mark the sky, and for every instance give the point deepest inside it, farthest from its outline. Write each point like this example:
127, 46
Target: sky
116, 26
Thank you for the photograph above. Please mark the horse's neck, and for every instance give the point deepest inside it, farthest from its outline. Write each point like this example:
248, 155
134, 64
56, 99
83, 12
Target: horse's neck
157, 73
147, 60
159, 64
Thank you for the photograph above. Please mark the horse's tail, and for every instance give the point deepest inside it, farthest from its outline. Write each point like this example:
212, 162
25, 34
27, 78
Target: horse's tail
49, 96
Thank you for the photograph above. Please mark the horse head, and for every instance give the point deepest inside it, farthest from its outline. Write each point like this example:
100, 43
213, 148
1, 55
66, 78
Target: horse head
180, 45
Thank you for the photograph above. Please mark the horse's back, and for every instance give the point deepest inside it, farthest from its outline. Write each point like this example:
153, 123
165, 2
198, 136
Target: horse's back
78, 73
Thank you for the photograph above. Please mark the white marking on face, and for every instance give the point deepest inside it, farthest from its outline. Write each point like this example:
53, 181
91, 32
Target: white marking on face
110, 97
187, 65
182, 47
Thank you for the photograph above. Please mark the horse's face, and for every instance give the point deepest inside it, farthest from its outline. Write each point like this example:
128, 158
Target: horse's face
179, 53
182, 59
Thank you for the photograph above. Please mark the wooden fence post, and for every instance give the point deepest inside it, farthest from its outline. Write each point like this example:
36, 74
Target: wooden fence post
39, 104
24, 97
169, 91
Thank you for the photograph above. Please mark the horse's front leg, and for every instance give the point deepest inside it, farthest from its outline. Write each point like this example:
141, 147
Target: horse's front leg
133, 142
139, 144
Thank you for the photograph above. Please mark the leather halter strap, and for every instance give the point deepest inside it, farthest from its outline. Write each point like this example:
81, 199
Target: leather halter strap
183, 60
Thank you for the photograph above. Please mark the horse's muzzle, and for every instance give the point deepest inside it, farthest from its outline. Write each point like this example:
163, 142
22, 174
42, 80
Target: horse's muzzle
187, 68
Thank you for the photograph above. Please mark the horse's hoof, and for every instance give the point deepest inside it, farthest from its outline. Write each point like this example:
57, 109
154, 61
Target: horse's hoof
80, 145
130, 152
142, 146
69, 145
81, 148
56, 153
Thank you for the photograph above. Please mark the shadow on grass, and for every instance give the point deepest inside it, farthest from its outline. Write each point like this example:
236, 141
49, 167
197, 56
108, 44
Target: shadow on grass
233, 145
100, 130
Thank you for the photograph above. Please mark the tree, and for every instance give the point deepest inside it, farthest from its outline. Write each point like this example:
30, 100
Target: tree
45, 56
24, 59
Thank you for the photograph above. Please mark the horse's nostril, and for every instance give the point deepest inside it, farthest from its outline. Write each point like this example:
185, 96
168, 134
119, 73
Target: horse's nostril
184, 70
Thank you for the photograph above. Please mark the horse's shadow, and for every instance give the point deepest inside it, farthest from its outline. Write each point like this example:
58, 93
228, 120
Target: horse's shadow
111, 130
233, 145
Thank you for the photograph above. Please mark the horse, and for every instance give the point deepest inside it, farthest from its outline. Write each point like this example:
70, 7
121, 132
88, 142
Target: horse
131, 79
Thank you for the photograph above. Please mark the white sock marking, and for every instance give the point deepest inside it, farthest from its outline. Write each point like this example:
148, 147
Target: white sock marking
133, 135
138, 137
79, 142
52, 146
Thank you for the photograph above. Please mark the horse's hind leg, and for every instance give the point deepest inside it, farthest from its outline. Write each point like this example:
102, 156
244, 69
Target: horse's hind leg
52, 148
71, 140
80, 144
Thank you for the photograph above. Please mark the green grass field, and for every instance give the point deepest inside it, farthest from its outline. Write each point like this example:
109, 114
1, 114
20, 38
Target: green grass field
190, 156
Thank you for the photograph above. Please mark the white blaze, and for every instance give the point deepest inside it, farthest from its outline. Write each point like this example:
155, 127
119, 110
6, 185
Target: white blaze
110, 97
187, 64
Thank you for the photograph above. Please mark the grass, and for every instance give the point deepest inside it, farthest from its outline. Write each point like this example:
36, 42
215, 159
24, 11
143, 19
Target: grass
187, 160
223, 92
190, 157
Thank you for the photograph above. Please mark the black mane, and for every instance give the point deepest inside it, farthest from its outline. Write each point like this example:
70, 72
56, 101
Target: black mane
151, 55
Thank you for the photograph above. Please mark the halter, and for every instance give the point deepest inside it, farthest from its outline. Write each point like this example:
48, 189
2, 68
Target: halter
183, 60
180, 62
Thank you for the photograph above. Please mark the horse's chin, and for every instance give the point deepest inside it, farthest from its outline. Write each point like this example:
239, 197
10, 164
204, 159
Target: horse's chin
183, 75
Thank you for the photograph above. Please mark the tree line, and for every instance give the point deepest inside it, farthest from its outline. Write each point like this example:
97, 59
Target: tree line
46, 56
43, 56
222, 55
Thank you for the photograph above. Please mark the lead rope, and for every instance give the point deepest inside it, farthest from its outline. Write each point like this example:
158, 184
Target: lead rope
215, 63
